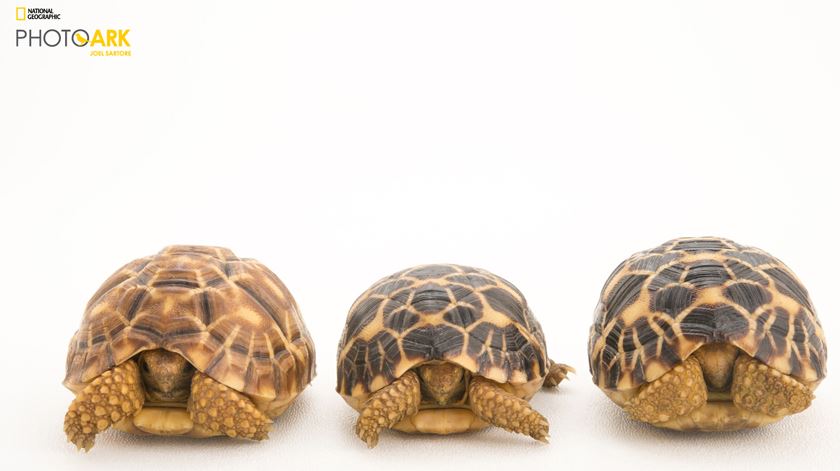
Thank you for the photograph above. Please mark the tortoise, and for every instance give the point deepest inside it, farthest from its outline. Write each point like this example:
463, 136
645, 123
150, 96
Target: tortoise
444, 349
192, 341
706, 334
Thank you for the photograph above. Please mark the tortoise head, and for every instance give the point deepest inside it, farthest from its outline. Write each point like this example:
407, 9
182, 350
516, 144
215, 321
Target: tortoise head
441, 382
166, 376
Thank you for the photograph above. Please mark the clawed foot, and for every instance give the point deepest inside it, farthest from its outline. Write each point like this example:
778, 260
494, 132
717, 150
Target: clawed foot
758, 388
216, 407
557, 372
493, 404
388, 406
674, 394
109, 398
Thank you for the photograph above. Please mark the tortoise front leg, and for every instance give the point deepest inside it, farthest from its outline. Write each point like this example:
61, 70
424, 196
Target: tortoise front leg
388, 406
491, 403
223, 410
109, 398
557, 372
758, 388
674, 394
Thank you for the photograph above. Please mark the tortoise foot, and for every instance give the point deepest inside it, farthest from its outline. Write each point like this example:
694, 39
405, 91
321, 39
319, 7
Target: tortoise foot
557, 372
496, 406
224, 411
758, 388
675, 394
110, 397
388, 406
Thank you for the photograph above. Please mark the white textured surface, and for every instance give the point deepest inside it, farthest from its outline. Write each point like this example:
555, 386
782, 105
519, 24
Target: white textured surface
338, 142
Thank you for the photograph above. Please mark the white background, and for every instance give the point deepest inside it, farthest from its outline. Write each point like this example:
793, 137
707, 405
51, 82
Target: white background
338, 142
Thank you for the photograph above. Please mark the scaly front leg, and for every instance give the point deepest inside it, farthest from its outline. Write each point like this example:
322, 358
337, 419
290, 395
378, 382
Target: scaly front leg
223, 410
388, 406
675, 394
758, 388
109, 398
493, 404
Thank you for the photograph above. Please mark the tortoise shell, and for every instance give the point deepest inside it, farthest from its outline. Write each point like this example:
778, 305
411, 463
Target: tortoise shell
661, 305
231, 318
459, 314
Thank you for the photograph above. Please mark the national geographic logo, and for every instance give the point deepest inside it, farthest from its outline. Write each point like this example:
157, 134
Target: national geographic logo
23, 14
102, 42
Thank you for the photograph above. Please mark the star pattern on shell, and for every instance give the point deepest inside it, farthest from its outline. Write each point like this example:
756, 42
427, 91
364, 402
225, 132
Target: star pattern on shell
662, 304
231, 318
439, 312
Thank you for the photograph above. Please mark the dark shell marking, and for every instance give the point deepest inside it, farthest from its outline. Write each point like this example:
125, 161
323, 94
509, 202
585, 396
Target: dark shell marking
660, 305
439, 312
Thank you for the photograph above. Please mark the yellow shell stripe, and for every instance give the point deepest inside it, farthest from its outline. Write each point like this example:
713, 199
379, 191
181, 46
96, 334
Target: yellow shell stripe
302, 353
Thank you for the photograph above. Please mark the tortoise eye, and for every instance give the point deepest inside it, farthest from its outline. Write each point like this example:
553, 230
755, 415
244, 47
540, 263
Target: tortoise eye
186, 368
144, 366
